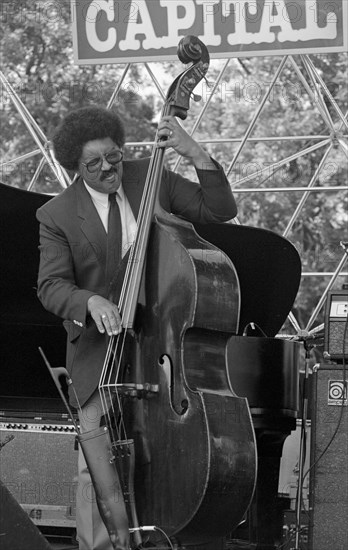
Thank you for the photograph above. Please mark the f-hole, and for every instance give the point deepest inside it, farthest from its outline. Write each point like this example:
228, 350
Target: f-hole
177, 395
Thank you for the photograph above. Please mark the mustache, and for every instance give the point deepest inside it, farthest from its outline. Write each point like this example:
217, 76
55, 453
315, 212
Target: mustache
107, 173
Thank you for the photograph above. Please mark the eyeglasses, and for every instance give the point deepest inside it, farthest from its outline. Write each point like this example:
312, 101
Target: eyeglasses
113, 157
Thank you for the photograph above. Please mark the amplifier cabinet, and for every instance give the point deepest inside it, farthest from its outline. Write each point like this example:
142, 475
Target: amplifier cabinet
328, 527
39, 467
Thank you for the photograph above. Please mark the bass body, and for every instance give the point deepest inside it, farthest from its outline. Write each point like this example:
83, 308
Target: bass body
195, 454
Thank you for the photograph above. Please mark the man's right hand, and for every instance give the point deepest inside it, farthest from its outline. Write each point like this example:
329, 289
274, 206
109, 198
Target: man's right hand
105, 315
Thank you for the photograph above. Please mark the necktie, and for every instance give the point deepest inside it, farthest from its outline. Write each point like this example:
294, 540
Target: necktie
114, 241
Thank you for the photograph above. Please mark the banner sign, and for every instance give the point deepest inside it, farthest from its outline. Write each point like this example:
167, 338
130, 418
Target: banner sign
123, 31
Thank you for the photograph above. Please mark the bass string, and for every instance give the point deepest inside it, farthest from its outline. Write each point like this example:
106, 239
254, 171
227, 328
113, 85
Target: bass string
129, 293
130, 287
109, 382
109, 388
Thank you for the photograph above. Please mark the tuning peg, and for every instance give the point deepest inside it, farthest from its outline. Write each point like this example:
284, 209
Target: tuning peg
196, 97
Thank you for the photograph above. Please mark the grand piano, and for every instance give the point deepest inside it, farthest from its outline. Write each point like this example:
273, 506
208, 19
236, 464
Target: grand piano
262, 367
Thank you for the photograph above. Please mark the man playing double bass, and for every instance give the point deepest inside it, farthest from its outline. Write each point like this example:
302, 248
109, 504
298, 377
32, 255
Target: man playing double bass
75, 267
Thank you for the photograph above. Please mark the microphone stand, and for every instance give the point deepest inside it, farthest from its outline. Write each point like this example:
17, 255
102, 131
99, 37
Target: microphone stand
303, 439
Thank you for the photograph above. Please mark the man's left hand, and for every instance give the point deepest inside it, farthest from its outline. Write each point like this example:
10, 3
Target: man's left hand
183, 143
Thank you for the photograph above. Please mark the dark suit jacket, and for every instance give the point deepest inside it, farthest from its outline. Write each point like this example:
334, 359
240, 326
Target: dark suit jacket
73, 254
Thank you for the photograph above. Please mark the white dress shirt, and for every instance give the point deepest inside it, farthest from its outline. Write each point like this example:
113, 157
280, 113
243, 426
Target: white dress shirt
128, 223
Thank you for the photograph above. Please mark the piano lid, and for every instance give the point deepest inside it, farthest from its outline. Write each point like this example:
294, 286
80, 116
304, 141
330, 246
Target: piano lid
24, 324
19, 239
268, 268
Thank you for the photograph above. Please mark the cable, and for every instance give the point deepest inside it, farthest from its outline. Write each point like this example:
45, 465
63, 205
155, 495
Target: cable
150, 528
254, 327
166, 537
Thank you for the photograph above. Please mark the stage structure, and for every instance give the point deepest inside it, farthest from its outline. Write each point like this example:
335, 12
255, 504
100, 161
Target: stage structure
323, 31
293, 52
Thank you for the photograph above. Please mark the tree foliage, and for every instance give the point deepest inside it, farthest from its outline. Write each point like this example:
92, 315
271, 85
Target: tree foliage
37, 54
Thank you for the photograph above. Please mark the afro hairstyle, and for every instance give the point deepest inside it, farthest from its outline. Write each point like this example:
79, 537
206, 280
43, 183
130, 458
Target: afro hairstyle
83, 125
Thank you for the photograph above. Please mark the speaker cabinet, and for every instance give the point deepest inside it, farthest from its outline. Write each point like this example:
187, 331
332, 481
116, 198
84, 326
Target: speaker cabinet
39, 468
17, 531
329, 474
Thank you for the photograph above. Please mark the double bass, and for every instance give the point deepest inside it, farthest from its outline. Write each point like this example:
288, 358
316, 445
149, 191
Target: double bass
184, 446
